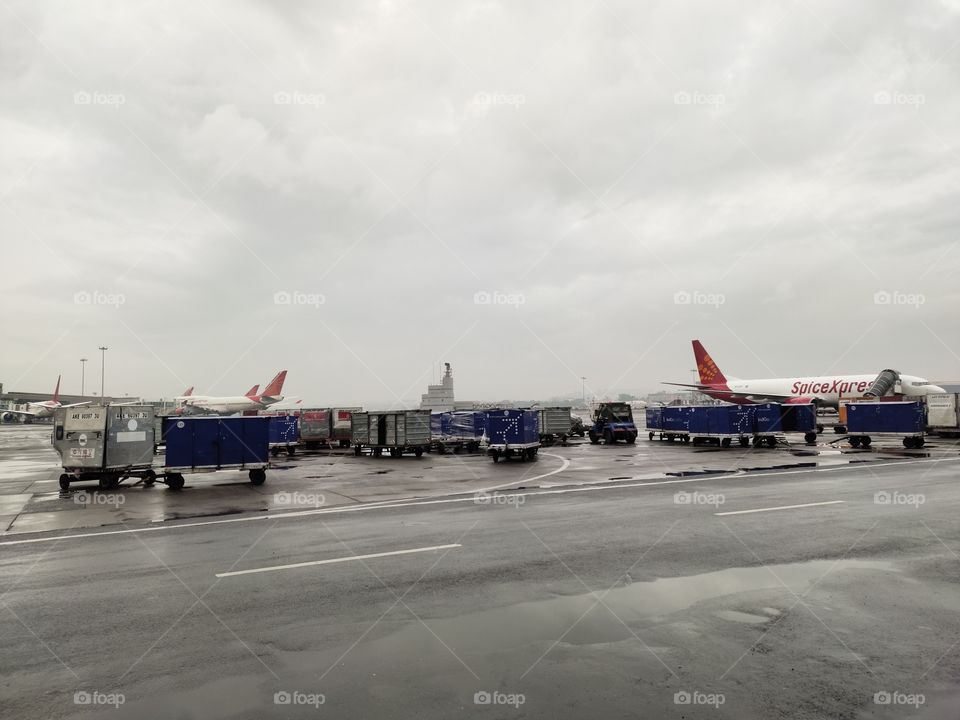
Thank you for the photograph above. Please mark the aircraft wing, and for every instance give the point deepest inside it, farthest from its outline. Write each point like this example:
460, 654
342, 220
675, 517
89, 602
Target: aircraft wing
695, 386
87, 402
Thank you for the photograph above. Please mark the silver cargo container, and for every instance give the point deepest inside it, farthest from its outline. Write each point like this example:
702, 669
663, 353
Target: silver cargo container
398, 431
943, 413
555, 423
107, 443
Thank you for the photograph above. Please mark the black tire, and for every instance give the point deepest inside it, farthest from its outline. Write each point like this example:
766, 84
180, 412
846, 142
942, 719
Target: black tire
650, 436
918, 442
258, 476
495, 455
418, 452
908, 442
744, 442
726, 442
820, 428
865, 441
608, 437
175, 481
855, 442
811, 438
64, 482
356, 450
631, 438
291, 451
771, 442
149, 478
593, 438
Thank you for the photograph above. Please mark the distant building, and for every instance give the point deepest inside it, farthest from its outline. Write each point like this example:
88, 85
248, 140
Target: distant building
439, 398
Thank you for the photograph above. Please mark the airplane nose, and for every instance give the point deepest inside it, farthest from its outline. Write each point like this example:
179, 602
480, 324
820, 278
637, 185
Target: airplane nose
936, 390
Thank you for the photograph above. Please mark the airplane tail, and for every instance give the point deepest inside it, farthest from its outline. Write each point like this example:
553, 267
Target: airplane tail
252, 392
710, 374
276, 385
56, 391
188, 392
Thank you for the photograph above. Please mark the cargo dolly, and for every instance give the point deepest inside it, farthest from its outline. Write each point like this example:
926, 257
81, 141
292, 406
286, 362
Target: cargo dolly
397, 432
512, 434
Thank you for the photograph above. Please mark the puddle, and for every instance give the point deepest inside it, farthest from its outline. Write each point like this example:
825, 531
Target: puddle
535, 623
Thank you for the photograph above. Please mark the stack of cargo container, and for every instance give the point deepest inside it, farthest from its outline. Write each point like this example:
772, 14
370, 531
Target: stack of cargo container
722, 424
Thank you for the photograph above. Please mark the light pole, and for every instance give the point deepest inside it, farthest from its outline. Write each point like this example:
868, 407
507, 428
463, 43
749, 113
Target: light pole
583, 390
83, 376
103, 360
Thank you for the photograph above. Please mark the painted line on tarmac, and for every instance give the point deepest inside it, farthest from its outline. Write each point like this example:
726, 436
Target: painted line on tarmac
780, 507
566, 464
271, 568
470, 497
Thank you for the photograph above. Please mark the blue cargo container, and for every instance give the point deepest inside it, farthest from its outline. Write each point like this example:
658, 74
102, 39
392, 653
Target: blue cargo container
772, 419
513, 433
654, 418
284, 432
905, 420
196, 444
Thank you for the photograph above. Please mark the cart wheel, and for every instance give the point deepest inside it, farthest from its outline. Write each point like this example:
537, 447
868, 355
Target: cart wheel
495, 455
744, 442
175, 481
608, 437
64, 482
651, 435
258, 476
418, 452
631, 438
725, 442
811, 438
291, 451
865, 441
149, 478
593, 438
356, 450
855, 442
771, 442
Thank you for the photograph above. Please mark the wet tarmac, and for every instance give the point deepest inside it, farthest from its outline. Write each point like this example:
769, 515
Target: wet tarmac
652, 581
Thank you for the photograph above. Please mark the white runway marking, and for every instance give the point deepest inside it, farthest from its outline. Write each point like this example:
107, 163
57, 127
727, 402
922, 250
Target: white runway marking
336, 560
781, 507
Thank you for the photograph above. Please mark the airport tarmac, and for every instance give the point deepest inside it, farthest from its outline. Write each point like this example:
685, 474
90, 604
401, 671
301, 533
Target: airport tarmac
655, 581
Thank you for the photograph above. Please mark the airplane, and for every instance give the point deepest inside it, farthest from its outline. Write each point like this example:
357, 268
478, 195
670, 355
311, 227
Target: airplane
228, 405
824, 390
40, 410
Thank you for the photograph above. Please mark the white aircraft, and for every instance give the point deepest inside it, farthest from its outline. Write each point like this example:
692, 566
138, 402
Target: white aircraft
822, 390
40, 410
228, 405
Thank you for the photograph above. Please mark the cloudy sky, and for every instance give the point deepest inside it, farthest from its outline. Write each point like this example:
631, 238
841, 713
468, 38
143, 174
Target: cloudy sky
533, 191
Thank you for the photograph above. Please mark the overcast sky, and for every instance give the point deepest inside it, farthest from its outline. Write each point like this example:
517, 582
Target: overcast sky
533, 191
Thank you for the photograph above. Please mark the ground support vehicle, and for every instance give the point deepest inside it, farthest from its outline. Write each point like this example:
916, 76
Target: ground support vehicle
284, 434
396, 431
457, 431
772, 420
612, 422
512, 433
901, 420
206, 444
943, 414
106, 443
669, 422
556, 424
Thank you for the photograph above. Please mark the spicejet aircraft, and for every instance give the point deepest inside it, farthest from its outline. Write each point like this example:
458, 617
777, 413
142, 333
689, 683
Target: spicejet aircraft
199, 404
824, 390
43, 409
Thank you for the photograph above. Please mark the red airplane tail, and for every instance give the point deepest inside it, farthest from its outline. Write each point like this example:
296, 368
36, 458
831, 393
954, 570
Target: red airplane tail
276, 385
710, 374
56, 390
188, 392
252, 392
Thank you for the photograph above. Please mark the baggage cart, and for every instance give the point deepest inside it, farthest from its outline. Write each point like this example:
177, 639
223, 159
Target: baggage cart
555, 425
206, 444
904, 421
773, 420
512, 433
396, 431
284, 434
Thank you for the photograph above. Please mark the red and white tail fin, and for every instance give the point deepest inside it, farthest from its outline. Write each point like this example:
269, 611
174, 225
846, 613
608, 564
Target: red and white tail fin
710, 374
252, 392
188, 392
56, 391
276, 385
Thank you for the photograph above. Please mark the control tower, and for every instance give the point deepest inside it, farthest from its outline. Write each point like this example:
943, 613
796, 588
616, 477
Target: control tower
439, 398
